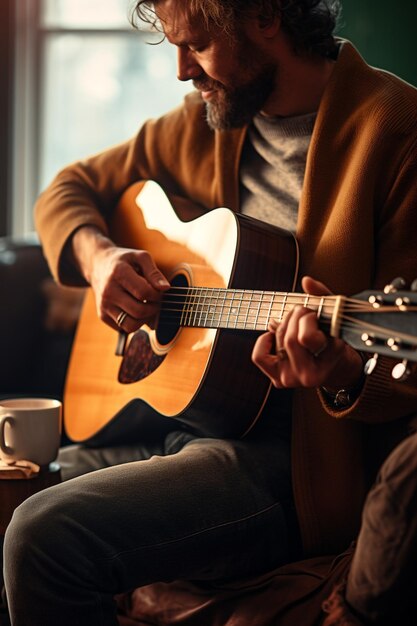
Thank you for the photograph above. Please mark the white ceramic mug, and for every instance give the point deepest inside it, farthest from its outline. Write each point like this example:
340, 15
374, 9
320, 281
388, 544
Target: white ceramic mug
30, 429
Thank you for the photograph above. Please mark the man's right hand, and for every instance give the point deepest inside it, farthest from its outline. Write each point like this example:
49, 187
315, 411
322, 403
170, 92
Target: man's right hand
123, 279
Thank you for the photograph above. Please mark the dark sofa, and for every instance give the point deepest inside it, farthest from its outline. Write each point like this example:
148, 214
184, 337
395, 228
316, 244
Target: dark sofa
34, 349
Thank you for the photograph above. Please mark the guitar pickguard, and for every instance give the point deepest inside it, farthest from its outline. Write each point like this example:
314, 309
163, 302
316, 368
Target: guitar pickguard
139, 360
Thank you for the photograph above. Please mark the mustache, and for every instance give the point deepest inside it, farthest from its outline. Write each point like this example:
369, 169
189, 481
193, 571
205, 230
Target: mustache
205, 84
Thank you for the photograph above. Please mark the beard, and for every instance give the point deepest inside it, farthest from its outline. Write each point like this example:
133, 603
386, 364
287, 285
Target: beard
235, 106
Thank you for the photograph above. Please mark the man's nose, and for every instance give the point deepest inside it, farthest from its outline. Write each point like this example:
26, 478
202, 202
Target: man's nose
187, 67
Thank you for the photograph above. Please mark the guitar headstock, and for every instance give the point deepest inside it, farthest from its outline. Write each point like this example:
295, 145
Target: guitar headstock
384, 323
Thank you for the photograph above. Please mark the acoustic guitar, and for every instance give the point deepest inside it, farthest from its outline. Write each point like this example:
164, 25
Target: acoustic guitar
195, 366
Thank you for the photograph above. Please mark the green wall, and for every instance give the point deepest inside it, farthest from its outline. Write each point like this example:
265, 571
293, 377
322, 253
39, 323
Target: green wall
384, 32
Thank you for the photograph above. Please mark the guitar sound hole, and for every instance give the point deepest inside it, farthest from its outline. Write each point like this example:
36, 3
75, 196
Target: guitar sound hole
172, 307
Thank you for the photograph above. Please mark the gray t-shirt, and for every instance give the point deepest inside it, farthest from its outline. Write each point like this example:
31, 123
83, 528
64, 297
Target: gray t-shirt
273, 166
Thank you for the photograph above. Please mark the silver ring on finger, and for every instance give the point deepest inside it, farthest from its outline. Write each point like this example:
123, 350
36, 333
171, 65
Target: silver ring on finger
121, 318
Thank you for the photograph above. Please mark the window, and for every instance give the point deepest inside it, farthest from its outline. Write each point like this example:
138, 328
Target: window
86, 80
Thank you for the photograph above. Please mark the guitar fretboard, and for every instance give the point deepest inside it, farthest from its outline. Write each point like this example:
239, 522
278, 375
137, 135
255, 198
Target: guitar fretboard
240, 309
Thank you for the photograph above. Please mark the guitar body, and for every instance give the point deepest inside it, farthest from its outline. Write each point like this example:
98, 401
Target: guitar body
203, 377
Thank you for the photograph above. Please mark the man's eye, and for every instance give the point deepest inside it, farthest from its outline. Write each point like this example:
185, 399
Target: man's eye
197, 49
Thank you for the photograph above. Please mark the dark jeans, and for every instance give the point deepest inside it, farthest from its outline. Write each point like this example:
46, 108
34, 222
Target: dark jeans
382, 583
188, 507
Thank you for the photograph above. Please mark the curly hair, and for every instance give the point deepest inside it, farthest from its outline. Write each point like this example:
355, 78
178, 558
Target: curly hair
309, 24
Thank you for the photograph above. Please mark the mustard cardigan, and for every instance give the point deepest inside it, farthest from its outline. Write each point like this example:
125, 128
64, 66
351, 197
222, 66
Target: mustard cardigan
357, 228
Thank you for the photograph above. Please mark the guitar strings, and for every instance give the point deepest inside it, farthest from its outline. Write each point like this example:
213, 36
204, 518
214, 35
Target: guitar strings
205, 296
257, 304
356, 327
191, 310
202, 303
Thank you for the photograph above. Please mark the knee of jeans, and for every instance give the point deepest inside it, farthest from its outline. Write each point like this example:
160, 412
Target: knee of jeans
36, 528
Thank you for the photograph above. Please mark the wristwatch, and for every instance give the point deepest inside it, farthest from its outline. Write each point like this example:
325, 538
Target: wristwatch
343, 398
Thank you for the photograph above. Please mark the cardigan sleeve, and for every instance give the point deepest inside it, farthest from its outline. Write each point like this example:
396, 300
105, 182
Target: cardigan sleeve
383, 398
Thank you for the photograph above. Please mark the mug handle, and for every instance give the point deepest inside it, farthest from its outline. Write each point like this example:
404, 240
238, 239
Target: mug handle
8, 419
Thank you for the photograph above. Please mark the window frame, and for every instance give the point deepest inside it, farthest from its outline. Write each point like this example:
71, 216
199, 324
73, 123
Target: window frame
28, 93
6, 112
26, 115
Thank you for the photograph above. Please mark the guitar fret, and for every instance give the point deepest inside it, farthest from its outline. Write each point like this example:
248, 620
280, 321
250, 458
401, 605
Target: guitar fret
258, 312
206, 312
191, 308
183, 309
229, 308
235, 309
186, 309
268, 315
215, 317
205, 308
243, 310
250, 319
241, 316
320, 307
198, 308
266, 307
248, 302
211, 309
284, 304
254, 307
262, 313
221, 323
217, 309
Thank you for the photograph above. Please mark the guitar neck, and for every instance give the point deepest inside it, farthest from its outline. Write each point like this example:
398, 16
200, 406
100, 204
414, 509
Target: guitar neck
242, 309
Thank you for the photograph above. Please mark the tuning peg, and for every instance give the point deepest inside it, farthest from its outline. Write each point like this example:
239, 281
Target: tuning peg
401, 371
376, 301
370, 364
395, 285
367, 339
403, 303
394, 344
413, 285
